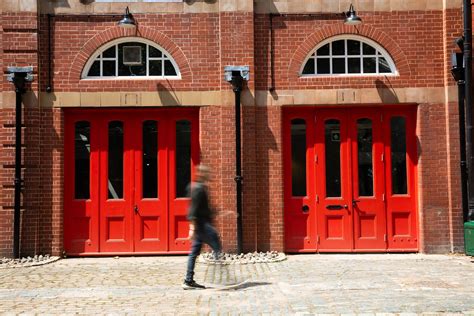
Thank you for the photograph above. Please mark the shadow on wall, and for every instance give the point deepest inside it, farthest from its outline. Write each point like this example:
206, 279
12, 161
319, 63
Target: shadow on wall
167, 95
387, 94
42, 158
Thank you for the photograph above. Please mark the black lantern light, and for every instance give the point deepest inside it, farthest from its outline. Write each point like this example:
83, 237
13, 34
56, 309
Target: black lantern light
351, 17
128, 21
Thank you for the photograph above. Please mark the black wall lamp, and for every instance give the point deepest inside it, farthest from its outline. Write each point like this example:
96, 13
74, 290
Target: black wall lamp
350, 18
127, 21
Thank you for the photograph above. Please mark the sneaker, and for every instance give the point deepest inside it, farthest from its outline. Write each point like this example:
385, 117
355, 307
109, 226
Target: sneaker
192, 285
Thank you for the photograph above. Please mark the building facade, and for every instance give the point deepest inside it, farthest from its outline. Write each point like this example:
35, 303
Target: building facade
350, 137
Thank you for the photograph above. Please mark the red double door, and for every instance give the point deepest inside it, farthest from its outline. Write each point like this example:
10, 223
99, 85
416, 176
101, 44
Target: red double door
126, 174
350, 180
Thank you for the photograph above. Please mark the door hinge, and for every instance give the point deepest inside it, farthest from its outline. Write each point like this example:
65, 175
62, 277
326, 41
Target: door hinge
316, 158
317, 239
383, 197
317, 198
385, 237
382, 157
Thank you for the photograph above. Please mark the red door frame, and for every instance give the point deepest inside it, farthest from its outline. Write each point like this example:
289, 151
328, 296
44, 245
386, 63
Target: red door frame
400, 219
84, 220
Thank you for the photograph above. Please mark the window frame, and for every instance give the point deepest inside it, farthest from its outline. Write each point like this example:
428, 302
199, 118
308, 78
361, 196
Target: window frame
97, 56
378, 50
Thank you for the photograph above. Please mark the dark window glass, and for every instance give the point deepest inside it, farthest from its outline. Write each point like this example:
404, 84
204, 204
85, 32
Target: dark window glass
94, 71
364, 146
338, 66
109, 53
353, 47
150, 159
298, 157
154, 52
323, 50
399, 150
338, 47
370, 65
155, 68
115, 161
333, 158
323, 65
354, 65
108, 68
129, 70
169, 68
183, 157
367, 49
309, 67
82, 154
384, 67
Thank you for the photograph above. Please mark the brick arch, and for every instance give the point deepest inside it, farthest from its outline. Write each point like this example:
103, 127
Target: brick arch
299, 56
100, 39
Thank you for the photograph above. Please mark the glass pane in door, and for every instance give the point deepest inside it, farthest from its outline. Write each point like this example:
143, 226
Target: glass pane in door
364, 148
115, 160
183, 157
333, 158
150, 159
82, 154
298, 157
398, 155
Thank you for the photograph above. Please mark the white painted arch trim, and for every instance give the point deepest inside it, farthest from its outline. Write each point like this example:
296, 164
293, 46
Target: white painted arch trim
359, 38
121, 40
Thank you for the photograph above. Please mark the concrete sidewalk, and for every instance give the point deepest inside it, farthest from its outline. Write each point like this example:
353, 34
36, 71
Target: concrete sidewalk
301, 285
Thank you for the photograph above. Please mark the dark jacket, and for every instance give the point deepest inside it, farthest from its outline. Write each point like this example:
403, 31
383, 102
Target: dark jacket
199, 209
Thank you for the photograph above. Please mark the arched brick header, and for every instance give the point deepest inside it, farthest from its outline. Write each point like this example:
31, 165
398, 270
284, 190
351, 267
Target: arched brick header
299, 56
117, 32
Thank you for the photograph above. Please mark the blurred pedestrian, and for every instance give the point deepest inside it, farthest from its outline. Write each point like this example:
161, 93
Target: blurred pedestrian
200, 215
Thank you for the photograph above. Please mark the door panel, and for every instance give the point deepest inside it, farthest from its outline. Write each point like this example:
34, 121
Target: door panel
115, 186
300, 211
334, 223
183, 155
150, 207
368, 181
400, 150
81, 216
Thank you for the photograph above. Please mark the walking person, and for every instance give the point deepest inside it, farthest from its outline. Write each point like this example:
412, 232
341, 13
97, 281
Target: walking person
201, 230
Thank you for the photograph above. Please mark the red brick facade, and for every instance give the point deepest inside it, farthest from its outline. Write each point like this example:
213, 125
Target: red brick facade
202, 43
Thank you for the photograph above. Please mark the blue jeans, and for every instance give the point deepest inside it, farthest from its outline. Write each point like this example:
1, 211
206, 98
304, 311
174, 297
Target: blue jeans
204, 233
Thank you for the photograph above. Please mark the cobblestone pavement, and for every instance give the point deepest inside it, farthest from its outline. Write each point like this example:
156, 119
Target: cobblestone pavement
302, 285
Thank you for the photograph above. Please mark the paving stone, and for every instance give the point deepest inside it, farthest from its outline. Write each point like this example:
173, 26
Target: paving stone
377, 285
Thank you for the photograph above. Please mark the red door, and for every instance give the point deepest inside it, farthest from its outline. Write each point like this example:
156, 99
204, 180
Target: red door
333, 181
358, 192
138, 164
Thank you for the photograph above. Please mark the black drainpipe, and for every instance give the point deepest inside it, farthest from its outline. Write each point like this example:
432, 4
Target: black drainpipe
19, 76
237, 85
462, 141
468, 97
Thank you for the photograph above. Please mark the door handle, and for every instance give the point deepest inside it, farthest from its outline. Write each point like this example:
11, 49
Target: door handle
354, 202
305, 208
136, 209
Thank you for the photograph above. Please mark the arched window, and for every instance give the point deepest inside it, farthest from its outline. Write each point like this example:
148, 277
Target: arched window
348, 55
131, 58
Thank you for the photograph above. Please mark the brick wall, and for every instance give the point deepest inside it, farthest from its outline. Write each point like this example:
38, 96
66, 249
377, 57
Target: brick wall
202, 44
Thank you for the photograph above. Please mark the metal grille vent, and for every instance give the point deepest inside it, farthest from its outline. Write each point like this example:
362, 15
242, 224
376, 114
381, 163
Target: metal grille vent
132, 55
